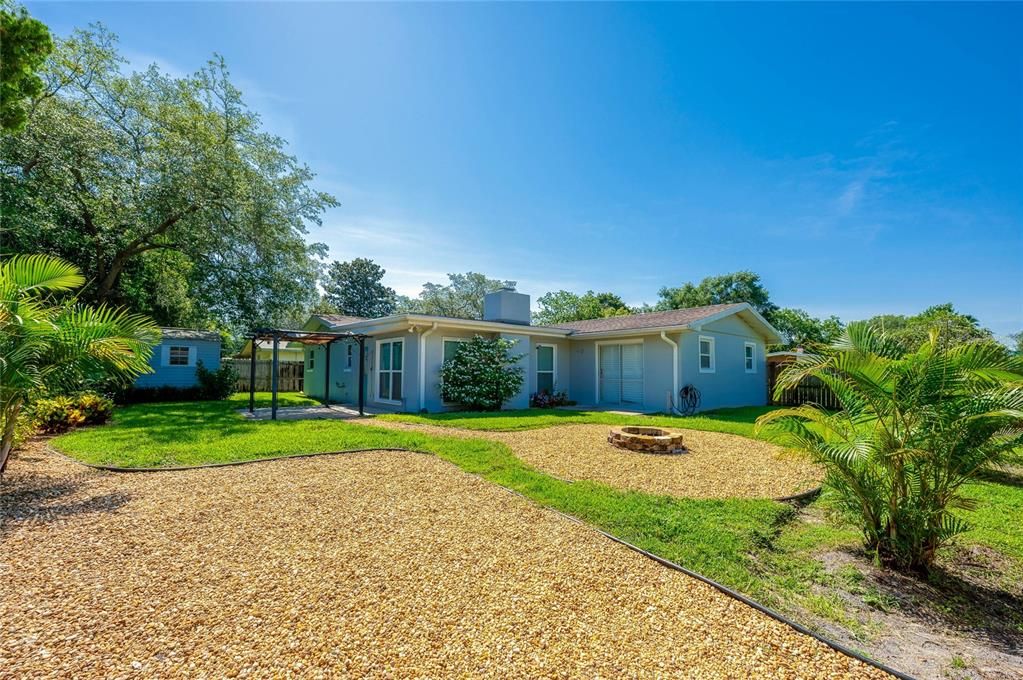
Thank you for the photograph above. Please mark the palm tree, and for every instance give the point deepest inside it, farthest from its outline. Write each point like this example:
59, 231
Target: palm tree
912, 430
47, 343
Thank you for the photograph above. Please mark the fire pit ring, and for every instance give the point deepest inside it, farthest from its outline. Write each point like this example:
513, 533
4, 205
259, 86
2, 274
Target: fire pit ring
647, 440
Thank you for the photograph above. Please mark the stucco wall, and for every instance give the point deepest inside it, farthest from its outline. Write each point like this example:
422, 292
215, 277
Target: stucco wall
729, 385
179, 376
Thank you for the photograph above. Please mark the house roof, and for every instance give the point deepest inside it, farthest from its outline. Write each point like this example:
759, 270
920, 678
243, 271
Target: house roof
339, 319
691, 318
673, 317
170, 333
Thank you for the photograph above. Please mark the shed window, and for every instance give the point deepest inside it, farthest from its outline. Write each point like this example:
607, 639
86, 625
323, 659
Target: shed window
312, 359
348, 358
706, 354
177, 356
750, 358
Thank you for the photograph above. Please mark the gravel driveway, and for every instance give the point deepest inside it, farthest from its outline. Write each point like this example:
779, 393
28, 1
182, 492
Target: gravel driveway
375, 564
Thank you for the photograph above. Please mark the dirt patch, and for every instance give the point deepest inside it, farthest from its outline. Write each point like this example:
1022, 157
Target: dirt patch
376, 564
716, 466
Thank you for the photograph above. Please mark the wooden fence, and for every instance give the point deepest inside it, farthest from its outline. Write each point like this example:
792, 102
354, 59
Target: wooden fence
809, 391
290, 375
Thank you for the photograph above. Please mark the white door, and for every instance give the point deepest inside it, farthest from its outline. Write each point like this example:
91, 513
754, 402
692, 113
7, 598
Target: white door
621, 373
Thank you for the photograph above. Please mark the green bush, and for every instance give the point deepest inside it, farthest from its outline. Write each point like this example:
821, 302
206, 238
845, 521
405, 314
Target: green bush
60, 414
481, 375
218, 384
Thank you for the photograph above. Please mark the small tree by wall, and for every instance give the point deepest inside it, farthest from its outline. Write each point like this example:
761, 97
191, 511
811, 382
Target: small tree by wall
481, 376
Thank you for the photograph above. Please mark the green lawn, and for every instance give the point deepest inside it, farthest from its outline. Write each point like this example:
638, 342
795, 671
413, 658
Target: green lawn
731, 420
750, 545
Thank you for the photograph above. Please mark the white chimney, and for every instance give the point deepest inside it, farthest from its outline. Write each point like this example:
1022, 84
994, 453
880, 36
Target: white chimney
507, 306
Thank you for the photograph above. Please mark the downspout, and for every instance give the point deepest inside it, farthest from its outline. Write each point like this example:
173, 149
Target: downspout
674, 367
422, 366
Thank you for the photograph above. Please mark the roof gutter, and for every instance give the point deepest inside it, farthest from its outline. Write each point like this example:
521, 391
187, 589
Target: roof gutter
422, 365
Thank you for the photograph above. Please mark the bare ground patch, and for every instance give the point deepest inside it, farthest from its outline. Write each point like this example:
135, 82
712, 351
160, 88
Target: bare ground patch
367, 564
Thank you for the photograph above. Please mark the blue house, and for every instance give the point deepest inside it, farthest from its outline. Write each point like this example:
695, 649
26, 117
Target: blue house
636, 362
174, 359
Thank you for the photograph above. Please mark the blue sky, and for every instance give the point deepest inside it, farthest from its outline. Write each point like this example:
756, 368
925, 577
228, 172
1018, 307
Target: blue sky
861, 158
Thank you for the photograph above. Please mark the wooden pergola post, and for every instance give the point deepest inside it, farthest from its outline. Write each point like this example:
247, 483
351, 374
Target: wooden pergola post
273, 380
252, 377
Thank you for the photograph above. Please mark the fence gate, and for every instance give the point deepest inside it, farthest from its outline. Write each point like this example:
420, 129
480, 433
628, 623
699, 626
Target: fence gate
290, 375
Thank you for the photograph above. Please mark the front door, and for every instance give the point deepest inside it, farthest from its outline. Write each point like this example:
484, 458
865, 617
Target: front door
620, 370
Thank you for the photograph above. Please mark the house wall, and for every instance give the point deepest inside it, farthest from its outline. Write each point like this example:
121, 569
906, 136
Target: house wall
206, 351
729, 385
657, 370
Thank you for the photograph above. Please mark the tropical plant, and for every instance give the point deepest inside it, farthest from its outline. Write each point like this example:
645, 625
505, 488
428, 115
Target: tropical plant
912, 430
62, 413
57, 345
481, 375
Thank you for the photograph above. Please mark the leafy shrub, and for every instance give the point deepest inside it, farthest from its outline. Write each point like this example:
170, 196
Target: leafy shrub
61, 414
546, 399
914, 428
218, 384
481, 375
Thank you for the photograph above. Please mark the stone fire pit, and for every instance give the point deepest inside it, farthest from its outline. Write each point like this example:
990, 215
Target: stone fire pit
646, 440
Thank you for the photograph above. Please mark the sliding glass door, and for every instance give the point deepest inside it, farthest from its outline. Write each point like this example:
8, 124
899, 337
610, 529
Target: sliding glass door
620, 373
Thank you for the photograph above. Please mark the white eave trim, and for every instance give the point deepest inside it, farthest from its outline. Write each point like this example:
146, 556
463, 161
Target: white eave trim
400, 322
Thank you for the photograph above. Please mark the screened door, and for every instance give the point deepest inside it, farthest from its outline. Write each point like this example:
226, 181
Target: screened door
621, 373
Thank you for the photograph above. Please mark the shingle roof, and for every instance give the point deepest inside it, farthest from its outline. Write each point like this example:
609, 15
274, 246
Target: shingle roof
189, 334
339, 319
674, 317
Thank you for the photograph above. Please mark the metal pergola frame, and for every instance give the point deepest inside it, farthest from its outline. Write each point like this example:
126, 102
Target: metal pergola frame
323, 338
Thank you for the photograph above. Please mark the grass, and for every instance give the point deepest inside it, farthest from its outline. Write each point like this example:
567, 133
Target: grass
738, 421
750, 545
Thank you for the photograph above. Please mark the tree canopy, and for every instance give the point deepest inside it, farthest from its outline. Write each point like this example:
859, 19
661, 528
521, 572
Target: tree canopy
355, 288
24, 45
562, 306
802, 330
744, 286
166, 192
912, 331
461, 298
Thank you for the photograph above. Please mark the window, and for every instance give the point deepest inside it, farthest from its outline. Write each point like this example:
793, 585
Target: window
389, 370
177, 356
751, 356
312, 360
545, 363
450, 347
348, 357
706, 354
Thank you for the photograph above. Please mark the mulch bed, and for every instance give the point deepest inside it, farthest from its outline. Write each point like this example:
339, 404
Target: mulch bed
378, 564
717, 465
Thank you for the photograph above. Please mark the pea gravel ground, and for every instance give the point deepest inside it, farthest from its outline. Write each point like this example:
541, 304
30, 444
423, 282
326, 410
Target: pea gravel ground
718, 465
376, 564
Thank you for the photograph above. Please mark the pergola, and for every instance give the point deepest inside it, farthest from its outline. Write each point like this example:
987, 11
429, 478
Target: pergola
323, 338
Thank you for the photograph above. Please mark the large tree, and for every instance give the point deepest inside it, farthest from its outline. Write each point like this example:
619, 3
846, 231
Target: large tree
744, 286
355, 288
24, 45
166, 192
910, 332
802, 330
563, 306
461, 298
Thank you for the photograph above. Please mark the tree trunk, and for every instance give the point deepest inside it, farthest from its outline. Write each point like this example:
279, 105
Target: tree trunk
7, 442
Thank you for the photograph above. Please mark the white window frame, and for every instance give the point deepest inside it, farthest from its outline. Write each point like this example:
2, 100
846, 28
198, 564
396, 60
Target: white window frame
349, 353
699, 354
387, 341
444, 340
311, 363
189, 359
752, 358
554, 367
